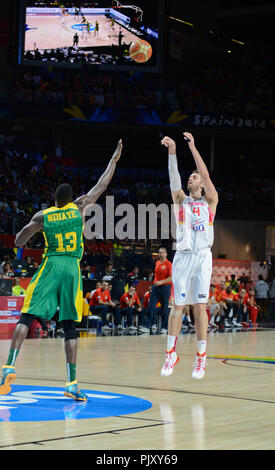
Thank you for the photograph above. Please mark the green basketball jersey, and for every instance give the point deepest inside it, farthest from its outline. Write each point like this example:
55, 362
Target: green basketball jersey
63, 231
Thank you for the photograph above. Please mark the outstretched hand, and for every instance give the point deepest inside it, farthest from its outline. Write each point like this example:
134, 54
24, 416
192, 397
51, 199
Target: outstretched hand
190, 139
118, 151
170, 144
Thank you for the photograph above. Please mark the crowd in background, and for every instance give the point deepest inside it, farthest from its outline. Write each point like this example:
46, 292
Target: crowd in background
47, 85
23, 192
242, 86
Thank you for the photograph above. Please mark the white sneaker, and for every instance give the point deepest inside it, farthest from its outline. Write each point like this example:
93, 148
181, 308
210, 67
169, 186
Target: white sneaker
199, 366
120, 327
235, 323
154, 327
226, 324
143, 329
106, 328
133, 328
170, 361
163, 331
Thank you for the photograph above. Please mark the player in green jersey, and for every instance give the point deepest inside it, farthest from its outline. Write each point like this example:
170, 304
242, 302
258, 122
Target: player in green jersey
58, 281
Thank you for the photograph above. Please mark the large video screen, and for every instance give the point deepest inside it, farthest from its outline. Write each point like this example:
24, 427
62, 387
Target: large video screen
104, 34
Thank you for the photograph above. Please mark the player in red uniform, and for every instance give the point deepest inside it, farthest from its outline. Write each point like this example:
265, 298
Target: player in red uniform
129, 305
161, 290
252, 307
229, 299
101, 303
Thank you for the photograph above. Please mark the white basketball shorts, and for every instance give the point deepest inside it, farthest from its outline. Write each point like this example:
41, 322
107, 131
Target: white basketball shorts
191, 277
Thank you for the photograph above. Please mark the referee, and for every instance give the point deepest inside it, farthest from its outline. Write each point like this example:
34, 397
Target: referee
160, 291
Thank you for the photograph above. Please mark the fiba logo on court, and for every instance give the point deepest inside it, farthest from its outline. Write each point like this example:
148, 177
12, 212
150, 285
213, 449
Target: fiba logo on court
31, 403
146, 221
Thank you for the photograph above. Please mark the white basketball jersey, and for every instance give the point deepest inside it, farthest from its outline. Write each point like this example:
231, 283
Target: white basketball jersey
194, 219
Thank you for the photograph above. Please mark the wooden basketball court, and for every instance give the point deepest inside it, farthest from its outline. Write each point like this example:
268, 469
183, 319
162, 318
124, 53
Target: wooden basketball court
49, 32
233, 407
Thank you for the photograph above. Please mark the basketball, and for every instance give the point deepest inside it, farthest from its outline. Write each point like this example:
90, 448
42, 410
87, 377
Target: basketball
140, 51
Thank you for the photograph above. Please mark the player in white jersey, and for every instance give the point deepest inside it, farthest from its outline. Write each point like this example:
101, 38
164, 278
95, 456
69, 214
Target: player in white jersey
192, 264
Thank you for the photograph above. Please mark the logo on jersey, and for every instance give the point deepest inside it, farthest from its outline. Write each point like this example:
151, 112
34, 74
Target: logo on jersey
32, 403
202, 296
197, 226
183, 295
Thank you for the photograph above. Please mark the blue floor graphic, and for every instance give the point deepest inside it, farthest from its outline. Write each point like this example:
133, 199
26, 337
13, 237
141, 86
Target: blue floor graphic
32, 403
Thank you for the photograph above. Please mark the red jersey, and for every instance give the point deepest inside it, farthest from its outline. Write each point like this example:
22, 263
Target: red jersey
249, 301
126, 298
216, 294
225, 296
146, 299
163, 269
237, 297
99, 294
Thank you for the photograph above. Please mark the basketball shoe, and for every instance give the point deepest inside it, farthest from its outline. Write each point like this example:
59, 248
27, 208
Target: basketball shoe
8, 377
171, 360
73, 391
199, 366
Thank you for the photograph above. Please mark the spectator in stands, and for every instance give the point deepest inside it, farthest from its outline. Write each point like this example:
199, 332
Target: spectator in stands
17, 289
85, 269
101, 304
262, 293
8, 272
129, 305
109, 273
234, 283
29, 266
6, 259
150, 276
133, 276
117, 248
106, 274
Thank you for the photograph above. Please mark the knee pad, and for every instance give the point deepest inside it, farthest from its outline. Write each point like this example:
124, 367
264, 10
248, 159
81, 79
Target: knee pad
26, 319
69, 329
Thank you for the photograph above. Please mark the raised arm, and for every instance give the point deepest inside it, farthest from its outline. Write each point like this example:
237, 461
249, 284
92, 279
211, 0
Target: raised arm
92, 196
27, 232
177, 192
211, 194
